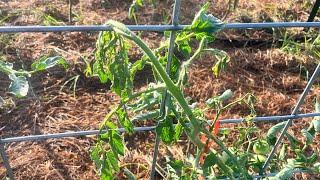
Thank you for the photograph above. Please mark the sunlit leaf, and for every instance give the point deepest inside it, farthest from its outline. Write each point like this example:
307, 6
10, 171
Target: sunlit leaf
175, 167
205, 24
113, 160
210, 160
6, 67
48, 62
317, 106
221, 64
215, 101
95, 155
178, 131
124, 120
166, 130
272, 132
175, 65
116, 143
316, 125
133, 8
316, 120
184, 48
146, 115
112, 63
286, 173
98, 70
307, 136
104, 137
146, 101
106, 175
110, 125
137, 66
19, 86
317, 167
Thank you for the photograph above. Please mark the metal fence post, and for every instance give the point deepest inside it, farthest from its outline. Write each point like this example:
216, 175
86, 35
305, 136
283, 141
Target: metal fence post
6, 161
166, 95
314, 11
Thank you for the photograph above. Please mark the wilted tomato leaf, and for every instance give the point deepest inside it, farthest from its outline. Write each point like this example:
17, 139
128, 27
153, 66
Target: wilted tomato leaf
19, 86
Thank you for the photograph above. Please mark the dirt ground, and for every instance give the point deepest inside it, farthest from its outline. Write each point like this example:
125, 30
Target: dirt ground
257, 66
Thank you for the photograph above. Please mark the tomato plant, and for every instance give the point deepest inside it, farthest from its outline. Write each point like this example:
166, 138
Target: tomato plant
19, 85
213, 159
112, 64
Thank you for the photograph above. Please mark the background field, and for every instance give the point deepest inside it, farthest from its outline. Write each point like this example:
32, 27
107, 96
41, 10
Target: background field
260, 64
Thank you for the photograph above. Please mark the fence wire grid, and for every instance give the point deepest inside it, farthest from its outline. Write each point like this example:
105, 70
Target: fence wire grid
175, 26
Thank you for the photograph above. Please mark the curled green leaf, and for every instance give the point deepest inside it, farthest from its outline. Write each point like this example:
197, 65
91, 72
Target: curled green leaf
216, 101
261, 147
221, 64
48, 62
166, 130
124, 120
112, 63
120, 29
116, 143
286, 173
205, 24
316, 120
19, 86
6, 67
307, 136
272, 132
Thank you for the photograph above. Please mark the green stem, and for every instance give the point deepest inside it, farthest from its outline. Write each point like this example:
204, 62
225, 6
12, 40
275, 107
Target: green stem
186, 64
234, 102
196, 54
8, 71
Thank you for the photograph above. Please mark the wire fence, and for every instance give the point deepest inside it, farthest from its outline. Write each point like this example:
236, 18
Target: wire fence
173, 28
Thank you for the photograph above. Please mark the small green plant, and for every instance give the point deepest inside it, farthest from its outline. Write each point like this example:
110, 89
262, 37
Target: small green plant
73, 84
49, 20
308, 47
137, 4
232, 6
19, 85
213, 159
304, 51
